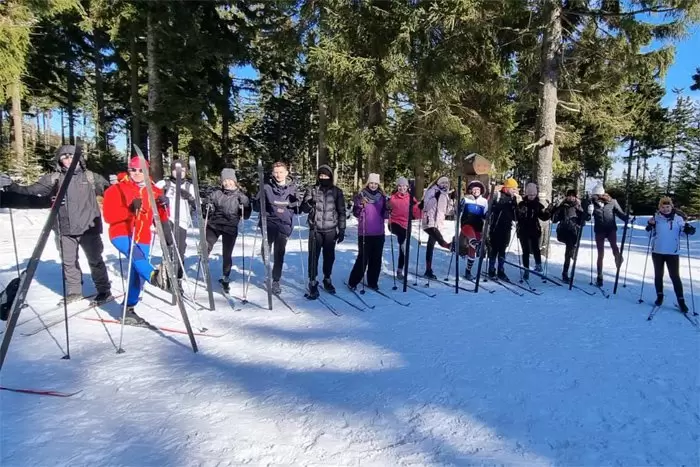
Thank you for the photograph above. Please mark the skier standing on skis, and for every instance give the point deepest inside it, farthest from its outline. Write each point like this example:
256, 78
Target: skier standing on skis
325, 204
370, 209
605, 209
224, 207
79, 221
502, 217
474, 210
529, 230
570, 218
398, 206
129, 214
436, 204
187, 198
281, 203
667, 226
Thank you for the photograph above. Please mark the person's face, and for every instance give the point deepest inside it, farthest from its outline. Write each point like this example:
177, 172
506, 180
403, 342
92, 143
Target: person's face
513, 191
183, 172
666, 209
476, 191
444, 185
136, 174
280, 174
372, 186
531, 196
402, 189
571, 199
229, 184
323, 176
66, 159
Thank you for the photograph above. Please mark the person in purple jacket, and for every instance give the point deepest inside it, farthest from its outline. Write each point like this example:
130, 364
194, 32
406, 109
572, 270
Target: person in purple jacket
370, 209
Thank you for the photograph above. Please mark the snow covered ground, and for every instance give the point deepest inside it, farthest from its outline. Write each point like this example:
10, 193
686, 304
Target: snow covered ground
490, 379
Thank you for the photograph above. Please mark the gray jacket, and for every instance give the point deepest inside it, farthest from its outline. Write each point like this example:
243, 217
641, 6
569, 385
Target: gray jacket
604, 211
80, 213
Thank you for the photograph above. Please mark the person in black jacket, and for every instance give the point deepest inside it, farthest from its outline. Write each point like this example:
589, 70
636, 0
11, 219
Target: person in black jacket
325, 204
571, 217
281, 203
79, 221
225, 207
500, 226
605, 209
529, 214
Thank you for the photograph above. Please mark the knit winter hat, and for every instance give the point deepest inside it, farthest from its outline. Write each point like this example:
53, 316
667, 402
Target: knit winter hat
478, 184
571, 192
531, 189
598, 190
326, 170
443, 181
402, 181
134, 163
175, 162
228, 174
373, 178
510, 183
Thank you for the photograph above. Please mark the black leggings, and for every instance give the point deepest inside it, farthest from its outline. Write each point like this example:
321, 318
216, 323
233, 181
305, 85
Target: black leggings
321, 242
228, 241
530, 246
434, 236
672, 262
400, 233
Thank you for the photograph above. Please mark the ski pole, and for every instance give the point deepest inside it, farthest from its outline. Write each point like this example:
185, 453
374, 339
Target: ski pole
301, 254
364, 249
121, 272
393, 264
592, 243
250, 269
63, 280
449, 267
627, 263
14, 241
203, 256
690, 273
420, 231
520, 266
132, 241
644, 274
243, 246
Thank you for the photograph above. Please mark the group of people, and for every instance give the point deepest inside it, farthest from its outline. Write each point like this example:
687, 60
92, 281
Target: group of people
128, 213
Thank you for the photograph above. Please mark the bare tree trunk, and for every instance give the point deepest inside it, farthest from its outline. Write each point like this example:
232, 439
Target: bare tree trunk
99, 94
376, 119
547, 115
35, 131
629, 175
154, 127
636, 175
322, 125
670, 167
45, 131
135, 98
63, 127
419, 169
70, 100
226, 119
18, 135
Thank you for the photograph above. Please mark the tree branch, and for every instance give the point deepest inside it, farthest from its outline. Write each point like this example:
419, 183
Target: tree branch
613, 14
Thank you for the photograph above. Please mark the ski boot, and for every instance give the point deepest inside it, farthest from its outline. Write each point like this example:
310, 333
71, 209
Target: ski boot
399, 275
502, 276
619, 260
526, 275
102, 297
565, 277
429, 274
276, 289
683, 306
599, 281
538, 268
132, 319
373, 287
160, 279
71, 298
492, 273
328, 285
659, 299
468, 275
225, 284
313, 290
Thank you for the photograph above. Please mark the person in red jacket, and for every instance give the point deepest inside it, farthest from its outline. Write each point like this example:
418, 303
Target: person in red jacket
398, 206
128, 212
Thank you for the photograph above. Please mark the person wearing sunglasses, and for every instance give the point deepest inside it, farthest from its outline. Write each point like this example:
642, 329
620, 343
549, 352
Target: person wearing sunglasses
79, 221
129, 214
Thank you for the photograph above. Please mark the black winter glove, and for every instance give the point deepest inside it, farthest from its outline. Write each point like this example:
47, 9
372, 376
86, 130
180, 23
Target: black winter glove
135, 205
341, 236
689, 229
163, 201
184, 194
167, 232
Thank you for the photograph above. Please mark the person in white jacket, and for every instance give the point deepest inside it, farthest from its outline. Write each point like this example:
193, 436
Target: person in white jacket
666, 227
187, 199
